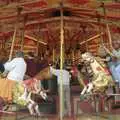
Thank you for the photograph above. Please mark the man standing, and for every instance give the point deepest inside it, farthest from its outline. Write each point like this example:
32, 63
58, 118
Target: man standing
66, 87
114, 65
116, 62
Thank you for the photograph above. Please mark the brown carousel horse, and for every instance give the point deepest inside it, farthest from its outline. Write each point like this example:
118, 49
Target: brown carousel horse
22, 91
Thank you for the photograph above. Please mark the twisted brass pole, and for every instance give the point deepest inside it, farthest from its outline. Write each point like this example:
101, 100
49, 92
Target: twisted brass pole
61, 59
15, 32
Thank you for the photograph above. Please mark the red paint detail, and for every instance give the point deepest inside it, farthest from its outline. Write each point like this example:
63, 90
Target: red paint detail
29, 41
114, 6
98, 69
30, 83
86, 82
7, 17
78, 1
6, 34
74, 71
107, 71
37, 4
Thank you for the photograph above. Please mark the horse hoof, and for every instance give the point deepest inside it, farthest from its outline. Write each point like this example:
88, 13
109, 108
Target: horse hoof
82, 97
33, 114
40, 115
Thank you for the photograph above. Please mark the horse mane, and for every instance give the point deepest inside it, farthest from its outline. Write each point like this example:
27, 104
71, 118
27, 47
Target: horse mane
99, 61
44, 73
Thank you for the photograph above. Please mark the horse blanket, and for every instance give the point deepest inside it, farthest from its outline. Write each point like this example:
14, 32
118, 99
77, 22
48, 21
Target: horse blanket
11, 90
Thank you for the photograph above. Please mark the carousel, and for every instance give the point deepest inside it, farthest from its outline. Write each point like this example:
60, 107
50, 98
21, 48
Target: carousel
79, 36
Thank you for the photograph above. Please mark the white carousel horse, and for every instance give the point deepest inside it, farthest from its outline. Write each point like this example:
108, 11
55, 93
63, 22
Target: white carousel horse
101, 79
32, 86
22, 91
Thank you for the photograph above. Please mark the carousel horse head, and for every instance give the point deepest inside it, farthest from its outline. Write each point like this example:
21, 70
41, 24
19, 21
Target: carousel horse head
44, 73
87, 57
96, 64
34, 85
43, 95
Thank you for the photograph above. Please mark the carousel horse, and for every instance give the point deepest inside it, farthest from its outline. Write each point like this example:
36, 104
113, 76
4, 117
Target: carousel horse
101, 76
21, 92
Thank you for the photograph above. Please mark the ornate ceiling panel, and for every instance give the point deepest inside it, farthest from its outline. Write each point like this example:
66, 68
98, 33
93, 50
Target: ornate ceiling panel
40, 19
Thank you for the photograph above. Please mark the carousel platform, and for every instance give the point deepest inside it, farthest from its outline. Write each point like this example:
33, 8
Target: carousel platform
81, 110
102, 116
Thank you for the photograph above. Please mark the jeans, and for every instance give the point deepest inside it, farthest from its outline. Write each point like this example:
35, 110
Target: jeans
66, 99
115, 70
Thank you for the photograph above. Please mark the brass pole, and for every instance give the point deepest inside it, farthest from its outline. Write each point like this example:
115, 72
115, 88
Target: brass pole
23, 33
100, 41
73, 57
37, 50
15, 32
53, 58
107, 26
37, 40
108, 32
86, 43
92, 38
13, 41
61, 60
100, 30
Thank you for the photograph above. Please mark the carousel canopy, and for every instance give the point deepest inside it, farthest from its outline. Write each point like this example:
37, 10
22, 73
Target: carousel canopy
37, 23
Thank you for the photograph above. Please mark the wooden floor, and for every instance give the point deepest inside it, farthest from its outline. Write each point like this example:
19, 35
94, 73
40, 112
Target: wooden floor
24, 115
55, 117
